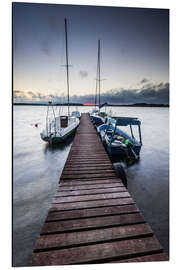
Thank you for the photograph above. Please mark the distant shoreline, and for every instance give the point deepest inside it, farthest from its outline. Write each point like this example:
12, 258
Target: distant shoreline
89, 105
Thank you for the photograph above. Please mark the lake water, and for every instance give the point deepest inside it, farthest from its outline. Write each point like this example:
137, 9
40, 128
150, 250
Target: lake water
37, 169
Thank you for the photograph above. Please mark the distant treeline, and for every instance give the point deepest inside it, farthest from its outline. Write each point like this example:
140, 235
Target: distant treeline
108, 105
46, 104
139, 105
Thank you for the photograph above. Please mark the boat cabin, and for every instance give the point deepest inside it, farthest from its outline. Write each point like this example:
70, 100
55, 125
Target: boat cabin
64, 121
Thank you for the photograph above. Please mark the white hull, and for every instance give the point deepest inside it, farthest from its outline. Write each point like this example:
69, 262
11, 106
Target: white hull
54, 133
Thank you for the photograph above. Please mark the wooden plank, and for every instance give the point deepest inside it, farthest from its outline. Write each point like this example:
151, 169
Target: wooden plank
93, 197
97, 253
90, 204
91, 161
88, 161
148, 258
89, 223
87, 164
80, 148
99, 161
88, 157
79, 166
92, 212
78, 151
88, 187
95, 181
71, 239
84, 176
88, 154
86, 171
90, 192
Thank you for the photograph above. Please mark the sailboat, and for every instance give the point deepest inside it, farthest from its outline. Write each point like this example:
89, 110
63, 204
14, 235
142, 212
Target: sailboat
97, 117
59, 128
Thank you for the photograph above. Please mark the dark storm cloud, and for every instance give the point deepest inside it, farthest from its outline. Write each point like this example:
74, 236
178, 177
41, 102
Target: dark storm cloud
83, 73
31, 94
152, 93
145, 80
16, 92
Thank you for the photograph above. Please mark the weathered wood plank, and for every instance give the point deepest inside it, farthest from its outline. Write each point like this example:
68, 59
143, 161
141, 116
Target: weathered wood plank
84, 161
148, 258
90, 192
88, 166
88, 223
88, 186
78, 151
88, 155
95, 181
66, 240
84, 176
87, 171
92, 197
97, 253
91, 204
92, 212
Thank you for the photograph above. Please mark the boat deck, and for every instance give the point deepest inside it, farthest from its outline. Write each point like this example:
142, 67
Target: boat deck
93, 218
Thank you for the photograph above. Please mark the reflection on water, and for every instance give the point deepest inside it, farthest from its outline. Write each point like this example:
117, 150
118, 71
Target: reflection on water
37, 168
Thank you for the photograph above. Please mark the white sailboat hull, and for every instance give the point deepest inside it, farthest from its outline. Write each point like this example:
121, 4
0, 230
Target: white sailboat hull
56, 134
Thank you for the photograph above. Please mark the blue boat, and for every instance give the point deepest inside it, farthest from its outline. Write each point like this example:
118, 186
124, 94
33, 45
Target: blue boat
102, 129
118, 142
98, 118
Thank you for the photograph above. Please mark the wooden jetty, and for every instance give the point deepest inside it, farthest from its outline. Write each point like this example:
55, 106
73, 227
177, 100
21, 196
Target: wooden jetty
93, 218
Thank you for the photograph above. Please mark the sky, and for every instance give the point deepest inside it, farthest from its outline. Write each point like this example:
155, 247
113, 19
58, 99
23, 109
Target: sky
134, 53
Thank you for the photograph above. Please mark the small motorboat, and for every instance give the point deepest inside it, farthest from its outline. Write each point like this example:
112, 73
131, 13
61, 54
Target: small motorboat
118, 142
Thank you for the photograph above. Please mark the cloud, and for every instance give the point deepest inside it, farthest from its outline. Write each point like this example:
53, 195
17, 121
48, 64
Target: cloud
83, 73
155, 93
150, 93
145, 80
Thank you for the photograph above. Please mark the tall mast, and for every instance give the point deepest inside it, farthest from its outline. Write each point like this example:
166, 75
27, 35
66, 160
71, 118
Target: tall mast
67, 62
96, 85
99, 71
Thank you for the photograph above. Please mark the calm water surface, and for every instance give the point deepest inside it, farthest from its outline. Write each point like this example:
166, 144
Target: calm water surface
37, 169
